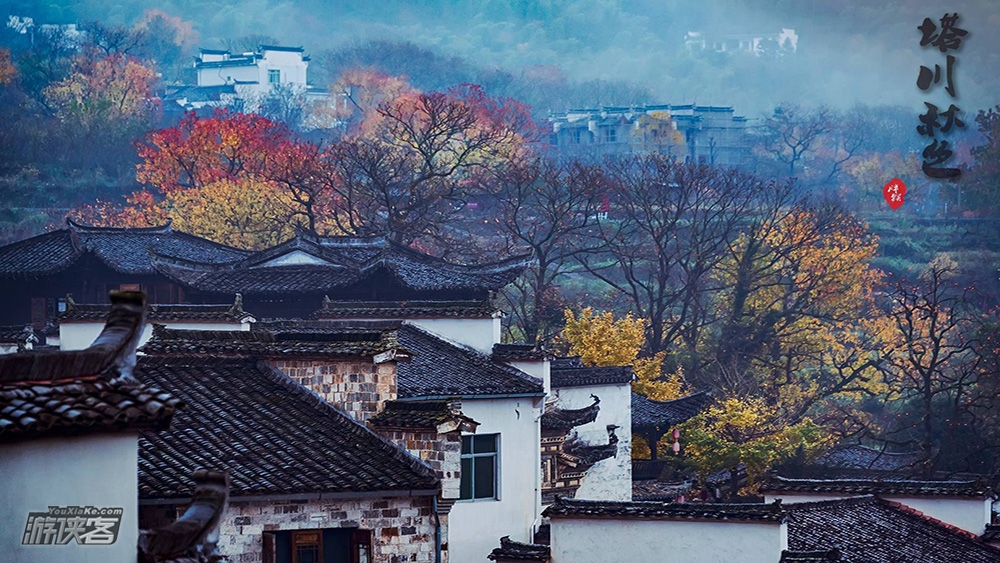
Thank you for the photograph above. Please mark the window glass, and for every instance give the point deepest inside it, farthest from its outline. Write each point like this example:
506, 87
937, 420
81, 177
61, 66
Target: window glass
480, 469
484, 444
466, 488
485, 477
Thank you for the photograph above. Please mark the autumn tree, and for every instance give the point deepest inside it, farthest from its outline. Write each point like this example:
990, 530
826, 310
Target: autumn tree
791, 133
601, 340
984, 174
167, 42
937, 369
359, 92
239, 212
550, 207
199, 151
747, 431
667, 231
798, 323
416, 162
105, 90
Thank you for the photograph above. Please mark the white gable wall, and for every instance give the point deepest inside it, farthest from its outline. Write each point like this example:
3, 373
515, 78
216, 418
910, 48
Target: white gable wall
296, 258
539, 369
478, 334
609, 479
95, 470
969, 514
80, 335
476, 526
604, 540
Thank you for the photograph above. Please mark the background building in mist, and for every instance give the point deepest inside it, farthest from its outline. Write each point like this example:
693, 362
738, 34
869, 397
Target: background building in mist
692, 133
768, 44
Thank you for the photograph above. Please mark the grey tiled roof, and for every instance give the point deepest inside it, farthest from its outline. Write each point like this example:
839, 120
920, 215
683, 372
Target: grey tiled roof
208, 313
123, 250
510, 550
85, 405
819, 556
518, 352
83, 391
404, 309
648, 414
442, 369
418, 415
659, 490
18, 334
271, 434
272, 342
339, 262
576, 508
896, 487
567, 419
857, 456
586, 376
872, 530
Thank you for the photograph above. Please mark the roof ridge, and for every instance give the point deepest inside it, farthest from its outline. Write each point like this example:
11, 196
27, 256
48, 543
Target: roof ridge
323, 406
164, 228
819, 504
469, 350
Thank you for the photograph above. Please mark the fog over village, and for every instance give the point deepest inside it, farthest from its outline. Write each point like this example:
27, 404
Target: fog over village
555, 281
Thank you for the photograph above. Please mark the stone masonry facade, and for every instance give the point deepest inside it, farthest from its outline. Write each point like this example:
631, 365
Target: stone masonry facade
441, 452
403, 528
355, 387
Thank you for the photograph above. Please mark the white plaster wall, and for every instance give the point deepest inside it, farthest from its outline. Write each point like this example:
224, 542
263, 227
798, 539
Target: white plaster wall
971, 515
476, 526
609, 479
99, 471
474, 333
8, 348
295, 258
293, 68
606, 540
539, 369
80, 335
968, 514
217, 76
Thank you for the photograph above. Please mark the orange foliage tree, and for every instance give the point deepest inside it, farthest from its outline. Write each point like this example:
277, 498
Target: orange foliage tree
105, 94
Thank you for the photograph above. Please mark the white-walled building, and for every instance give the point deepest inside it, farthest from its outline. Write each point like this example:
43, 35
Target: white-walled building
967, 505
584, 531
257, 71
79, 324
69, 432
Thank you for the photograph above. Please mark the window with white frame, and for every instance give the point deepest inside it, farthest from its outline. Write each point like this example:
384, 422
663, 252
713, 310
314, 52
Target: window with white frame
273, 76
480, 466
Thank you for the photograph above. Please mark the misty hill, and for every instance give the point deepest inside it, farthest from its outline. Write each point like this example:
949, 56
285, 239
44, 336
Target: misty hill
848, 51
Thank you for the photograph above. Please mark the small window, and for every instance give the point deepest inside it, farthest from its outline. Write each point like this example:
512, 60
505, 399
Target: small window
480, 467
274, 76
610, 135
307, 546
576, 136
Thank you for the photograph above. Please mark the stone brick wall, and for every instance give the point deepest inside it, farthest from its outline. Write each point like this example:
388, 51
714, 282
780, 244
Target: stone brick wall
357, 388
441, 452
402, 528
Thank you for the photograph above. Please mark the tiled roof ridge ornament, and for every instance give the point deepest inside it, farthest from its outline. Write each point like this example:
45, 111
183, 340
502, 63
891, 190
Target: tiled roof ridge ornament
110, 357
76, 226
194, 536
123, 330
236, 309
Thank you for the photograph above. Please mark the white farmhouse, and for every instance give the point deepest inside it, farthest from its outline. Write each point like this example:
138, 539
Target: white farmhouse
69, 433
